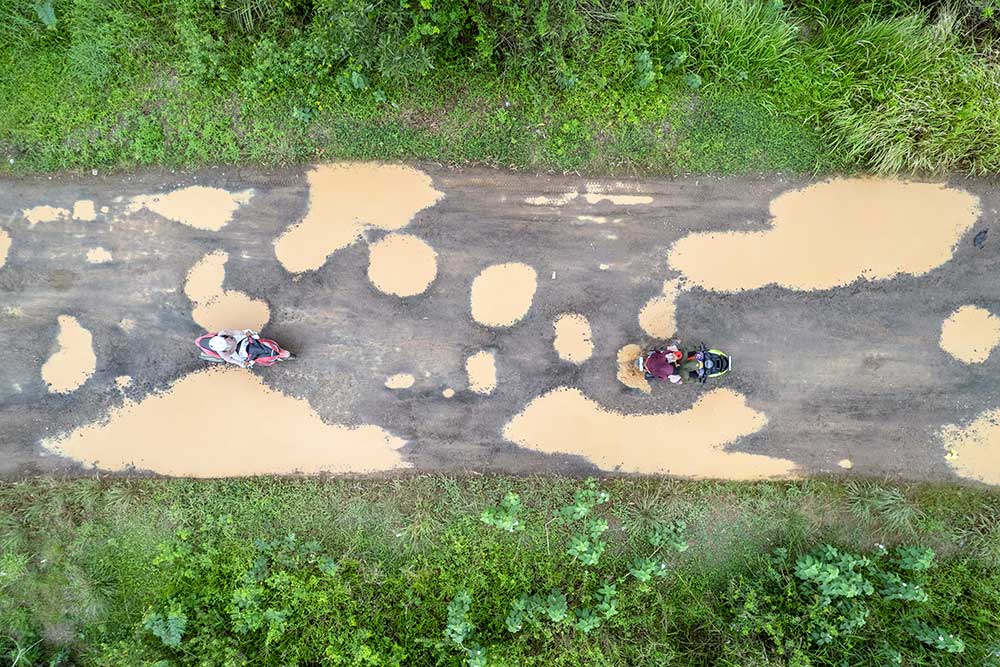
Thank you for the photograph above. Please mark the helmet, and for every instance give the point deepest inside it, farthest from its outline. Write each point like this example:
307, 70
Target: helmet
218, 343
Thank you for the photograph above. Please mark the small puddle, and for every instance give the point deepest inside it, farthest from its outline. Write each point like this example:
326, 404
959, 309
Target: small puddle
83, 209
970, 334
127, 325
448, 392
123, 381
98, 256
590, 198
400, 381
831, 234
216, 308
74, 362
555, 200
628, 374
5, 243
846, 464
343, 200
974, 450
573, 338
688, 443
502, 294
617, 200
44, 214
401, 264
596, 219
482, 371
183, 432
658, 317
196, 206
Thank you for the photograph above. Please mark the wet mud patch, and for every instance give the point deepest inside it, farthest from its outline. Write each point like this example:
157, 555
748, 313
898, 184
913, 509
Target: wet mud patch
5, 244
182, 432
502, 294
658, 318
573, 341
596, 193
216, 308
689, 443
831, 234
481, 369
617, 200
628, 373
98, 256
346, 198
553, 200
83, 209
400, 381
401, 264
970, 334
74, 361
196, 206
974, 450
44, 214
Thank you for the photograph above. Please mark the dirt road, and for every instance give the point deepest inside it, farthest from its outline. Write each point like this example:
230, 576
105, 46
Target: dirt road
423, 304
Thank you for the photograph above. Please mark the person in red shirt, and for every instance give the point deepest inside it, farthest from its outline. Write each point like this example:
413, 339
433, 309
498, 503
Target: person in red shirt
664, 364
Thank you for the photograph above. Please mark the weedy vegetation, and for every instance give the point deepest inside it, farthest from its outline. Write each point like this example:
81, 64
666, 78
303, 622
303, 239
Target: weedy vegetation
536, 571
597, 86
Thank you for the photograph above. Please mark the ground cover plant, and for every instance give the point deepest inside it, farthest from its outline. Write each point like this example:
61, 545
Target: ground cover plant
497, 571
600, 86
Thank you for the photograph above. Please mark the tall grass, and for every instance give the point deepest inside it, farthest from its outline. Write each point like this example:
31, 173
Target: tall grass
901, 93
893, 86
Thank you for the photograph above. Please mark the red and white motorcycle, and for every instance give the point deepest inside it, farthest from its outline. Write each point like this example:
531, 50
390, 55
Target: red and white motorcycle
258, 351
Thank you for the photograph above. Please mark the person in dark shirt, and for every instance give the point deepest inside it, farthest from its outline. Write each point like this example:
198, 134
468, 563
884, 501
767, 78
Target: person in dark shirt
664, 364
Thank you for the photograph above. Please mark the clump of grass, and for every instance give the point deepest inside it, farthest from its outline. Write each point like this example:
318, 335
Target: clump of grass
880, 504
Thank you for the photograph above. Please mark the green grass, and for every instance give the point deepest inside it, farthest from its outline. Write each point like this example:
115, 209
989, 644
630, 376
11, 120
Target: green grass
91, 571
595, 86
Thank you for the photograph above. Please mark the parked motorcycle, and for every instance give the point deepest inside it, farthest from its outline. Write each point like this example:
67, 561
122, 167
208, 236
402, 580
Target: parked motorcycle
260, 351
702, 363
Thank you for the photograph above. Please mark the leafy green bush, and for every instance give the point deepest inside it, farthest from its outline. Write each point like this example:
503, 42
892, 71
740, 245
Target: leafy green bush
504, 516
822, 602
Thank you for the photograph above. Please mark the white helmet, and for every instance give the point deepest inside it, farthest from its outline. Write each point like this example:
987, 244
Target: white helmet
218, 343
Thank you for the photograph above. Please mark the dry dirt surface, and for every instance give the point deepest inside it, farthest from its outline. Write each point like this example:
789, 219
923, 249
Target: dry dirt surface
471, 320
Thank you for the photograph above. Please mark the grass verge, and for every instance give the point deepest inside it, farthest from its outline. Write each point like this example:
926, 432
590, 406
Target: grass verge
497, 571
596, 86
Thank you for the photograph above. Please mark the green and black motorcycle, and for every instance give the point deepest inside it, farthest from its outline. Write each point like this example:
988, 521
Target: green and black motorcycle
698, 365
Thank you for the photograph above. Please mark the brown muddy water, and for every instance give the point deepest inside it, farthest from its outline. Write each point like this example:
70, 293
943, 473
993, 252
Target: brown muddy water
573, 341
216, 308
481, 369
502, 294
401, 264
74, 361
346, 198
690, 443
832, 233
223, 422
196, 206
970, 334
